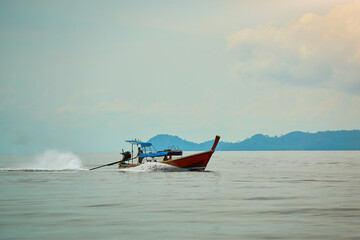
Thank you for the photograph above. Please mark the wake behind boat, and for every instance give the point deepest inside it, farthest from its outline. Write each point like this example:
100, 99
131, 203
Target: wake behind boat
172, 156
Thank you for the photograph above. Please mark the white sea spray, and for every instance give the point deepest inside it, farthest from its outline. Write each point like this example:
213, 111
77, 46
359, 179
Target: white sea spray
55, 160
152, 167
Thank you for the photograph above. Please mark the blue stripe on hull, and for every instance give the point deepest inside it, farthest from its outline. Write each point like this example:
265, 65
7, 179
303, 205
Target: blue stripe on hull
190, 168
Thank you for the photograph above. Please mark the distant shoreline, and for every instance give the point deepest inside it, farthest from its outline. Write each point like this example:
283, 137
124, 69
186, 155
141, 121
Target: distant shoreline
342, 140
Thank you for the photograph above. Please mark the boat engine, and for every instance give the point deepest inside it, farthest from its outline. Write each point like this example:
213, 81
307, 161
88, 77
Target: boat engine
126, 156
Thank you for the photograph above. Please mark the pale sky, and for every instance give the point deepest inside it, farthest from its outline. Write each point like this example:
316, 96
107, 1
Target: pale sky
86, 75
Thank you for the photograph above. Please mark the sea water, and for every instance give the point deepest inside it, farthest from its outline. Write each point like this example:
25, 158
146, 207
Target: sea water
242, 195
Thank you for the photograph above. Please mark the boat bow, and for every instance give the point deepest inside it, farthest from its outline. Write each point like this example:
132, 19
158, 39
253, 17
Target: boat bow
194, 162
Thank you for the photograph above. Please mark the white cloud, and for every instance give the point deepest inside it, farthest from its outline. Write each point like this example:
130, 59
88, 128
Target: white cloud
77, 107
321, 51
116, 105
69, 108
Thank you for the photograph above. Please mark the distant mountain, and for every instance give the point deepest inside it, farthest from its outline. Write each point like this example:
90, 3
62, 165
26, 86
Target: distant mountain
327, 140
164, 141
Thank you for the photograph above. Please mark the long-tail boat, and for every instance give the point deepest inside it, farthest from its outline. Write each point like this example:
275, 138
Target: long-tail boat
171, 156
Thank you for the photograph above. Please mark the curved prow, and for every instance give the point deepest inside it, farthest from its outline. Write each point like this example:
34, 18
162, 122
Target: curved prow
217, 138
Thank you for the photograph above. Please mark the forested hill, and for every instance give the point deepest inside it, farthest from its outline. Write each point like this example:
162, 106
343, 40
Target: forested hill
328, 140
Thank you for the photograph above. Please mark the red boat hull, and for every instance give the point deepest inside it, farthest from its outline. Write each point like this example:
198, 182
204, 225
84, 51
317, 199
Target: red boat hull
195, 162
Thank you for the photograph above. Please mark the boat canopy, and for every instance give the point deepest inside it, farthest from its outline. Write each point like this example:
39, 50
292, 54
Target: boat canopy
153, 154
143, 144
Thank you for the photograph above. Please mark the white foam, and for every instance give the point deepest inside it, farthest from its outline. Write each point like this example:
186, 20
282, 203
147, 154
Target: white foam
152, 167
54, 160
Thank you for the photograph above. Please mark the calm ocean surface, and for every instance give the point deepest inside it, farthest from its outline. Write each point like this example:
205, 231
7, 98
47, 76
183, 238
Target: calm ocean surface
243, 195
